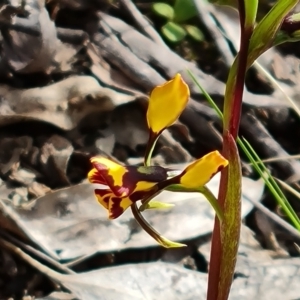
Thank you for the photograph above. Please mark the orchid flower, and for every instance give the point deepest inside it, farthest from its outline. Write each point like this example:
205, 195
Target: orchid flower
126, 185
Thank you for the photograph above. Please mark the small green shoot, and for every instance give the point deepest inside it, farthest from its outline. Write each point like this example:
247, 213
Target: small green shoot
176, 28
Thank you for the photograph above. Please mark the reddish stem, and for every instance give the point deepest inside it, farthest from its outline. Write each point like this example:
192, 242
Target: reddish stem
236, 107
213, 292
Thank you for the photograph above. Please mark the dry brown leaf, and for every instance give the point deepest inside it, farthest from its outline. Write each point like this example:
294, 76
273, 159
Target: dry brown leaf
54, 158
63, 104
38, 57
76, 219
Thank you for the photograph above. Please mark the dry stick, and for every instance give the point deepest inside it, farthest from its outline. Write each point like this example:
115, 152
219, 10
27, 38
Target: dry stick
34, 263
72, 36
21, 25
277, 85
204, 13
77, 261
141, 21
278, 158
37, 253
268, 147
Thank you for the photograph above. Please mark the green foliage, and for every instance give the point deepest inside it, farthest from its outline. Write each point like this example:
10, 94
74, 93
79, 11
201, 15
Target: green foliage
175, 30
290, 30
250, 12
194, 32
163, 10
184, 10
270, 183
265, 32
258, 165
285, 37
231, 3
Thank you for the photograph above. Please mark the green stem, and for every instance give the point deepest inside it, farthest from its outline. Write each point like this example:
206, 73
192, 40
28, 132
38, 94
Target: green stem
146, 201
150, 147
151, 231
135, 210
213, 202
204, 190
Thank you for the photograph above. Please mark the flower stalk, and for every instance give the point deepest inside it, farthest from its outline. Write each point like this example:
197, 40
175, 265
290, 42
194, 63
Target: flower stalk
126, 185
226, 234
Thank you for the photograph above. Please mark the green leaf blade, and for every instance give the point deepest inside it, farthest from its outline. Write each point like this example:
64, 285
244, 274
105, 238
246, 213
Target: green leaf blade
194, 32
184, 10
163, 10
173, 32
266, 30
250, 12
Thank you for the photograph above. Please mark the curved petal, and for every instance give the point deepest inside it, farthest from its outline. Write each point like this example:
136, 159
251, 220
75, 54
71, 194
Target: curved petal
117, 205
166, 103
123, 181
202, 170
112, 173
94, 176
103, 197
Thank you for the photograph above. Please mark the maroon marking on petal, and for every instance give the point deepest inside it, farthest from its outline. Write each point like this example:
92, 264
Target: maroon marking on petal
101, 169
131, 177
99, 166
137, 174
136, 196
104, 195
174, 180
97, 178
121, 190
116, 209
142, 195
102, 192
220, 168
152, 173
109, 180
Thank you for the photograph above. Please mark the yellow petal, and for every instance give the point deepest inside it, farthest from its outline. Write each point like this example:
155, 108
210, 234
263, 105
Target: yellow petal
144, 186
115, 205
111, 173
94, 176
166, 103
202, 170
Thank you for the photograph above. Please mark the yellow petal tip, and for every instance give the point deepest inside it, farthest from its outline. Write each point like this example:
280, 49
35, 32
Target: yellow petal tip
199, 172
169, 244
156, 205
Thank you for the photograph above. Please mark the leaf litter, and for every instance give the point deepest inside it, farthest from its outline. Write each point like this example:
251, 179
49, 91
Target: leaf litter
64, 98
76, 219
